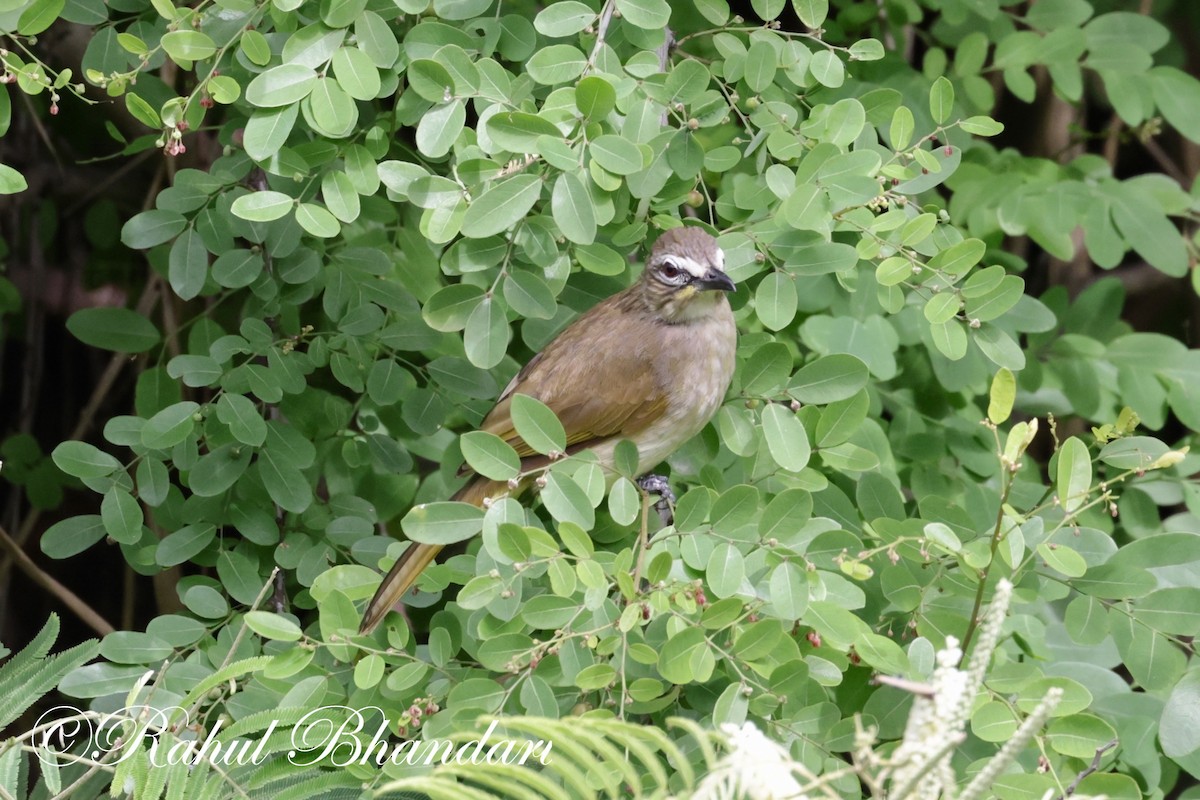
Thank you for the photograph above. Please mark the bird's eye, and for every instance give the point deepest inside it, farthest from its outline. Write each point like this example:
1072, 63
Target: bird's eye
670, 270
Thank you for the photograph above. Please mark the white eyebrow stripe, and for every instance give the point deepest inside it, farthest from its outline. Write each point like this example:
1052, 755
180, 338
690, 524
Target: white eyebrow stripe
695, 269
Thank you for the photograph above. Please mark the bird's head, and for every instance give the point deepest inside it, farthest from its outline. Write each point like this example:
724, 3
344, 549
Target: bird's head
685, 275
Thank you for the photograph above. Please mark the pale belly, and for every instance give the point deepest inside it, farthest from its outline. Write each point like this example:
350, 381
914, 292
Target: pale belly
705, 354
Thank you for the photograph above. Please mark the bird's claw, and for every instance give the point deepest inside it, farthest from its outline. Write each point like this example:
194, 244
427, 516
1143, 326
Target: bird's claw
657, 484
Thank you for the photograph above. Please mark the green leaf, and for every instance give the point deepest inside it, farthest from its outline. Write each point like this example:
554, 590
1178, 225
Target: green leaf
1179, 726
571, 205
1177, 96
442, 523
150, 228
264, 206
811, 12
184, 544
902, 128
356, 73
1063, 559
1086, 620
761, 63
517, 131
1116, 581
242, 417
942, 307
866, 50
828, 69
996, 302
486, 334
943, 536
1074, 474
567, 502
557, 63
188, 264
131, 647
1141, 221
1001, 396
317, 220
387, 382
188, 45
502, 206
273, 626
72, 535
828, 379
430, 80
122, 515
83, 460
776, 300
284, 481
675, 657
982, 126
11, 181
994, 722
564, 18
529, 295
142, 111
39, 16
1079, 735
267, 130
786, 438
117, 329
950, 338
334, 114
450, 307
218, 470
490, 456
617, 154
235, 269
281, 86
170, 426
1174, 610
537, 425
725, 571
255, 46
941, 99
594, 95
376, 39
789, 591
648, 14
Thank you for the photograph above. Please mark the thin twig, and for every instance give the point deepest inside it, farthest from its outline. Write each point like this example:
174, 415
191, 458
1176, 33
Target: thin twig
912, 687
42, 578
606, 15
1092, 767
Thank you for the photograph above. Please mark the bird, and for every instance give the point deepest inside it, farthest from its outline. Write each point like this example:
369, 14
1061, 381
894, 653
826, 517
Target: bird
650, 364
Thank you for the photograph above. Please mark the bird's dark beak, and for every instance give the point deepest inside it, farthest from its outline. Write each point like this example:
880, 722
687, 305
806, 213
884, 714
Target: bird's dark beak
715, 279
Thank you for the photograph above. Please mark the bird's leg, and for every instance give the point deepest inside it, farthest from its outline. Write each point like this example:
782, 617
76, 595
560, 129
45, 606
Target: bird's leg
657, 484
652, 484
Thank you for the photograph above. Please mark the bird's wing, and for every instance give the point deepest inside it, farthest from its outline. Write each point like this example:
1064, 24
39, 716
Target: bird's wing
597, 376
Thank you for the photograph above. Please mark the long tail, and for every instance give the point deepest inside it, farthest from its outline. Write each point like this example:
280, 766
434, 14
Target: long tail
417, 557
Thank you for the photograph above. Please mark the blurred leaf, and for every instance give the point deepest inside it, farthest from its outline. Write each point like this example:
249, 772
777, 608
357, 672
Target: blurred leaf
117, 329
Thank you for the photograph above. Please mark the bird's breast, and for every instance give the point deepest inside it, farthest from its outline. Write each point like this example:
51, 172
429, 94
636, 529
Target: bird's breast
694, 364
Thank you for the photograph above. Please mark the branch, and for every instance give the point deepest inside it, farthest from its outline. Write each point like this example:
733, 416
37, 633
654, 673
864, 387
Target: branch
1092, 767
43, 579
606, 15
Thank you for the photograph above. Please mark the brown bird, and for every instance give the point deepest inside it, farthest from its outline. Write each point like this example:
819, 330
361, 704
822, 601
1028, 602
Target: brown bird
650, 364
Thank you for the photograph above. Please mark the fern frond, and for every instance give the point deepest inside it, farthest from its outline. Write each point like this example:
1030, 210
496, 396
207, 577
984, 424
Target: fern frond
34, 651
234, 670
29, 675
588, 757
261, 720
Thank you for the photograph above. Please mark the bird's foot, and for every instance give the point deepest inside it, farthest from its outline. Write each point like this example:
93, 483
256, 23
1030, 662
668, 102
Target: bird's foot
665, 506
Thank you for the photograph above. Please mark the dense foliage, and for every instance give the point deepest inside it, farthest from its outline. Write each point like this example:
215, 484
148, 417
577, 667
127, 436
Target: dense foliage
395, 204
